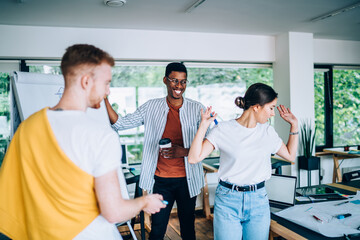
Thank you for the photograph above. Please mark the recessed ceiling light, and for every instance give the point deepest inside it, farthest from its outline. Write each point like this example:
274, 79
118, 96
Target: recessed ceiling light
114, 3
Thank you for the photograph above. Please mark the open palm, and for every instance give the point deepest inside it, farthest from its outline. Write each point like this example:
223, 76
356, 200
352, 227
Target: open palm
286, 114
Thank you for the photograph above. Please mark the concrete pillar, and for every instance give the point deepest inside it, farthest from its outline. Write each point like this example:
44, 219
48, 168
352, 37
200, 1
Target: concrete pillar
294, 81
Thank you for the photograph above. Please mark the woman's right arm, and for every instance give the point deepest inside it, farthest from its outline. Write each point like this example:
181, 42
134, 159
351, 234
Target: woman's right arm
200, 148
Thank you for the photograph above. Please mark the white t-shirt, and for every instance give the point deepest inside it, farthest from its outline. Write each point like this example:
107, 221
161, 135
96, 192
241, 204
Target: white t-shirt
93, 147
245, 153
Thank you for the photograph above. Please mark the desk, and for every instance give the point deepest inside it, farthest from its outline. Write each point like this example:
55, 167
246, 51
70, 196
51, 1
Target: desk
352, 186
130, 178
289, 230
211, 165
338, 154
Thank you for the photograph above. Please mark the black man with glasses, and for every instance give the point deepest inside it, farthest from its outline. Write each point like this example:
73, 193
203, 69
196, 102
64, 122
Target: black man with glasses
168, 172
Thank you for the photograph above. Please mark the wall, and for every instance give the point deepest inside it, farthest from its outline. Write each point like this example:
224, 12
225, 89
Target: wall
336, 52
50, 42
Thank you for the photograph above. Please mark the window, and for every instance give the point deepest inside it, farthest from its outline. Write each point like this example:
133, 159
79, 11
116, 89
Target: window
4, 113
346, 88
212, 85
337, 101
319, 77
134, 83
6, 66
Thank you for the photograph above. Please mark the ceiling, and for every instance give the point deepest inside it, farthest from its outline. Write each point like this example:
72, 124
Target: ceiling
255, 17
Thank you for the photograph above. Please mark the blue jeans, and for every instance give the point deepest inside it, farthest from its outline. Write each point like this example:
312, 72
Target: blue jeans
241, 215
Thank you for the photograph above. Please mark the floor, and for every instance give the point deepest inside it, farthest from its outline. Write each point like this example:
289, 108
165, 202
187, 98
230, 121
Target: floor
203, 229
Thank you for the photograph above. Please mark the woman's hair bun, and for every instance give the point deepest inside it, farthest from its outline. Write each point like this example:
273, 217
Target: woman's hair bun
240, 102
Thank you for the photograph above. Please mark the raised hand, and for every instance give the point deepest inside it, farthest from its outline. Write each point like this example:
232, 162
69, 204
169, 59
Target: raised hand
287, 115
206, 117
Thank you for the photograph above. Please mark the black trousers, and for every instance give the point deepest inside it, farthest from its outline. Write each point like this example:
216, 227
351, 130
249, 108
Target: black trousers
174, 189
3, 237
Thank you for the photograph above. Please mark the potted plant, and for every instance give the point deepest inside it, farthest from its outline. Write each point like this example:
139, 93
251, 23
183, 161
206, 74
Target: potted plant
307, 160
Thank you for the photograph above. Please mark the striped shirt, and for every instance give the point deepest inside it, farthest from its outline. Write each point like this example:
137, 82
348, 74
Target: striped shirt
153, 115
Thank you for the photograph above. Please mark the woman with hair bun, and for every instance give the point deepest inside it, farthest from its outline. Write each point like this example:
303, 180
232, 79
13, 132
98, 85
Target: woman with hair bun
241, 209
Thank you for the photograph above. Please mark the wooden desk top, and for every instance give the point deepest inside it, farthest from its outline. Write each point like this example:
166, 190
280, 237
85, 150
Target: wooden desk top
209, 168
345, 187
341, 151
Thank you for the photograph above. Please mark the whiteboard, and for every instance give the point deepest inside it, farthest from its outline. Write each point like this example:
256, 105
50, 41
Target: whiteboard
34, 91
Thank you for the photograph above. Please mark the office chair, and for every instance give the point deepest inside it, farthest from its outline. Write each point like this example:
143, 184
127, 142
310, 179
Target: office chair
347, 177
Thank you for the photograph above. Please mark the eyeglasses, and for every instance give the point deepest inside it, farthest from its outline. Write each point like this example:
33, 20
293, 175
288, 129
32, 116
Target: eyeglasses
176, 81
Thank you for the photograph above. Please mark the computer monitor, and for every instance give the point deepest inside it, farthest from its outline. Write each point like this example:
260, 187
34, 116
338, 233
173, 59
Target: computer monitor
281, 190
124, 159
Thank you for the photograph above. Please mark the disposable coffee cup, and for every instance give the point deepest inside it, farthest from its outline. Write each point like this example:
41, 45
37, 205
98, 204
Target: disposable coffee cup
165, 143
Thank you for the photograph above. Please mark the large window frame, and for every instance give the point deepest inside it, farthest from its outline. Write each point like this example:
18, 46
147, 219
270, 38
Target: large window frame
51, 66
328, 82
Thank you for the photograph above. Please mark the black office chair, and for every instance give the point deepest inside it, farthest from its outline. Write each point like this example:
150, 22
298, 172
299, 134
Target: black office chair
347, 177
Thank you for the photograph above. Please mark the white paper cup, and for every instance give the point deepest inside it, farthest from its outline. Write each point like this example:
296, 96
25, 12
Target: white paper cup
165, 143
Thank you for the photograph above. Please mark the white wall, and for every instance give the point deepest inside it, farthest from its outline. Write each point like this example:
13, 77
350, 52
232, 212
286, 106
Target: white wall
9, 65
50, 42
336, 52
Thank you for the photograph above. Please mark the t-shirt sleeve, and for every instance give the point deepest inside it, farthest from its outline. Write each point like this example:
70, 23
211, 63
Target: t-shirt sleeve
275, 140
212, 136
109, 157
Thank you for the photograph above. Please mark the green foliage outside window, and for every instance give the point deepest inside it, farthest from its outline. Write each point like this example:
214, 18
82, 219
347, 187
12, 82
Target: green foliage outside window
346, 111
134, 76
45, 69
152, 76
346, 107
319, 108
205, 76
4, 113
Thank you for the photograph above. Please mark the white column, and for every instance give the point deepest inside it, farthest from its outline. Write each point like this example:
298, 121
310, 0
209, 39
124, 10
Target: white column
294, 81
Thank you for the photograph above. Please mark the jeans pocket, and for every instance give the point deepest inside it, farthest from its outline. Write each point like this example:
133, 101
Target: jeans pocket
263, 194
221, 190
